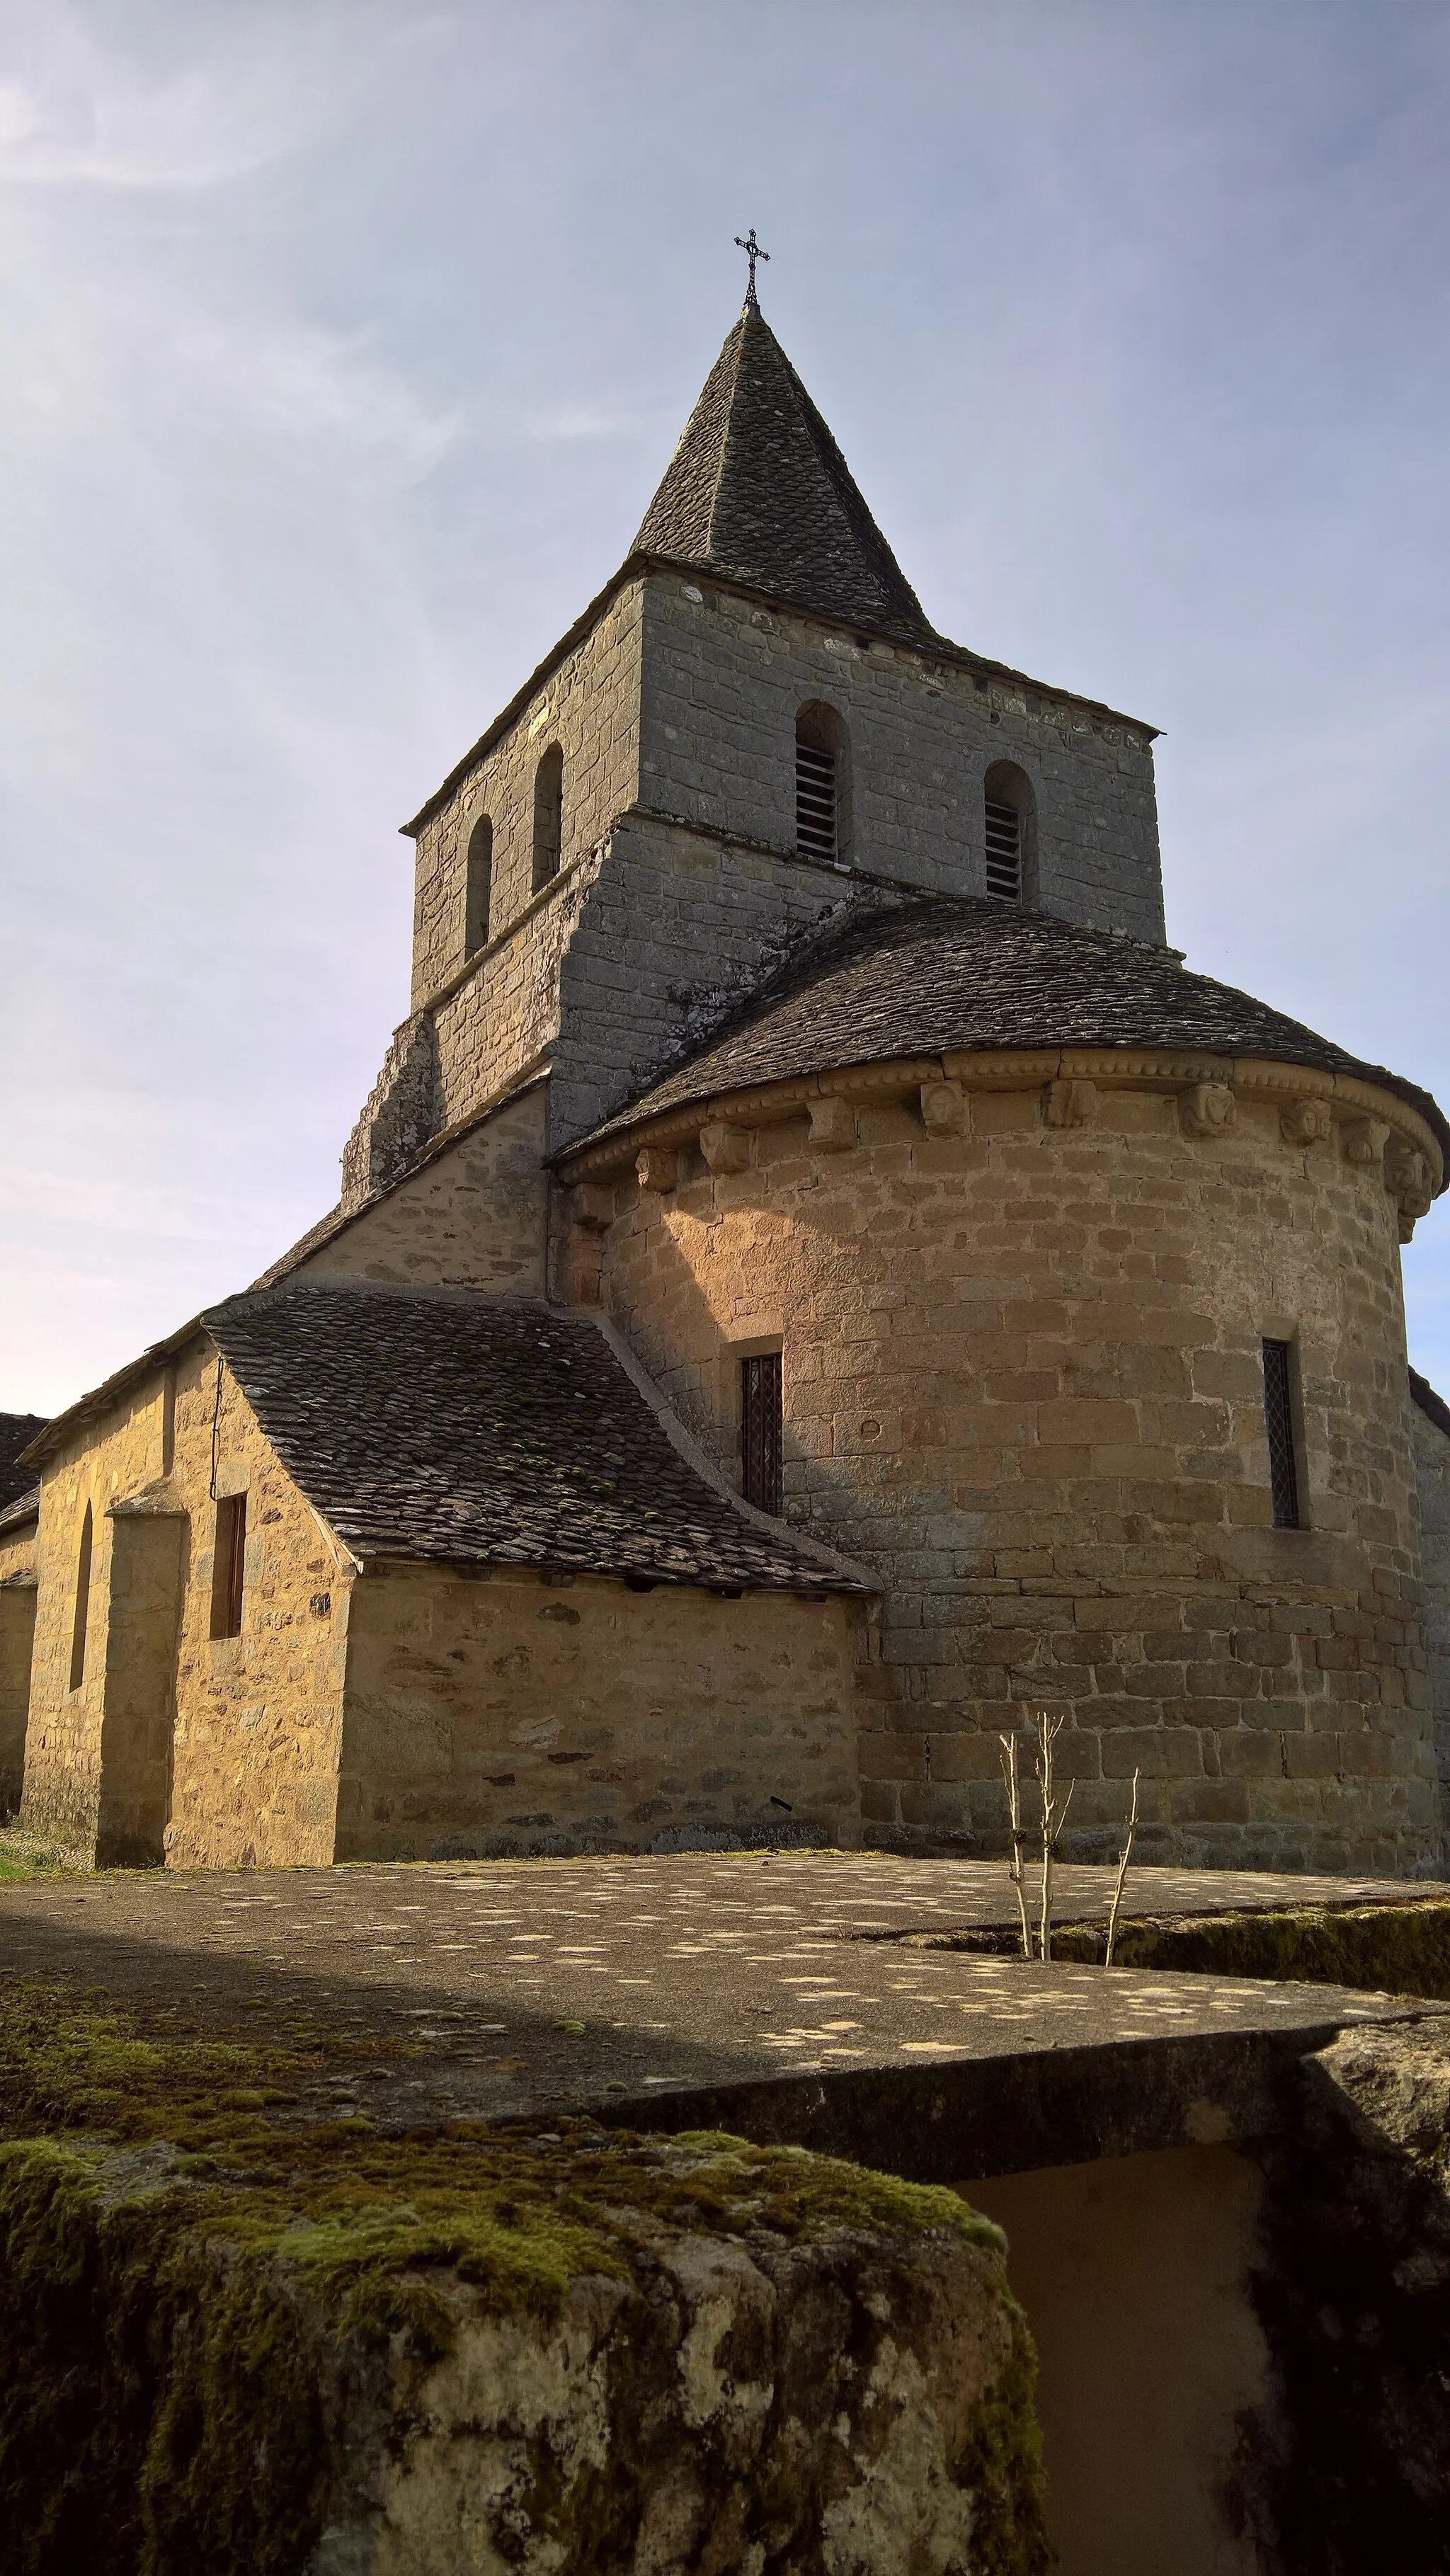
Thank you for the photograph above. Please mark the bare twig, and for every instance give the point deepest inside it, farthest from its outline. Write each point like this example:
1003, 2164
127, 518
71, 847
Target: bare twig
1122, 1874
1014, 1805
1053, 1820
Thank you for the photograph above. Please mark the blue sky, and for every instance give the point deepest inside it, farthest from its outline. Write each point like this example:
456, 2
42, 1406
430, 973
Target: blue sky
343, 346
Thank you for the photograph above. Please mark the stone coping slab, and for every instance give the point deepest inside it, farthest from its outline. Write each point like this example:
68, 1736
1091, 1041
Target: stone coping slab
759, 1993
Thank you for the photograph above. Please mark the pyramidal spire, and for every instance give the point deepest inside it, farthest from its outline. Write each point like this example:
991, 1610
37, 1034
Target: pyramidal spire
758, 489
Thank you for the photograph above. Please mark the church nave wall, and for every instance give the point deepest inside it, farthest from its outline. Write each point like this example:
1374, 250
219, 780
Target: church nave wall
244, 1728
498, 1711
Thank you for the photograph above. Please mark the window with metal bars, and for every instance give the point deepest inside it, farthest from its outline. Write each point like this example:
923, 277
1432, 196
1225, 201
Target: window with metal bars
762, 1431
1004, 851
816, 832
228, 1573
1279, 1420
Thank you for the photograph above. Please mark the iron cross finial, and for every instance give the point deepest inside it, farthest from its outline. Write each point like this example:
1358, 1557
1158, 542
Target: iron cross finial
753, 252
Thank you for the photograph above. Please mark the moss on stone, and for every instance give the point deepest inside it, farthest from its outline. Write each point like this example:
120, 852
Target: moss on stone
1383, 1949
175, 2239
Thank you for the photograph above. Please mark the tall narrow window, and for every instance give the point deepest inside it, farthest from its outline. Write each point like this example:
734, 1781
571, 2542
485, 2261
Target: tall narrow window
83, 1605
548, 816
1009, 815
479, 893
228, 1573
1279, 1419
762, 1428
822, 785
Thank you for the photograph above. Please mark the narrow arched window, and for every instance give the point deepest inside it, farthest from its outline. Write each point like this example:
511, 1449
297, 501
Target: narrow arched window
479, 892
83, 1605
822, 785
548, 816
1009, 819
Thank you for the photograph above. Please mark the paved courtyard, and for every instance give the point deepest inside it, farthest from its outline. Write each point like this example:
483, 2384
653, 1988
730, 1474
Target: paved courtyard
782, 1995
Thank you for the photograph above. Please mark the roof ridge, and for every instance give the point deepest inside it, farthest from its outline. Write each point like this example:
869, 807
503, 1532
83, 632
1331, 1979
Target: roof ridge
737, 337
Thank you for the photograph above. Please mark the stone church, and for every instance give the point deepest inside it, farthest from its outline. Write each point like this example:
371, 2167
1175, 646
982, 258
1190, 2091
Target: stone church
815, 1282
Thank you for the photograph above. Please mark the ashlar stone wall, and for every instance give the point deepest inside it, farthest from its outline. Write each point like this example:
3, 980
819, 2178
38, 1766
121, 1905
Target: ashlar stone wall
121, 1454
415, 1707
17, 1633
1432, 1476
474, 1214
1023, 1380
589, 706
251, 1724
677, 924
516, 1712
724, 676
677, 708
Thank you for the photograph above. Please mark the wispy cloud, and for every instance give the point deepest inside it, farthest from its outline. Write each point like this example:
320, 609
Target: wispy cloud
239, 92
345, 340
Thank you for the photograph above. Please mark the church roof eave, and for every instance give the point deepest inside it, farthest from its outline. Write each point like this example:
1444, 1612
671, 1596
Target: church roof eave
922, 977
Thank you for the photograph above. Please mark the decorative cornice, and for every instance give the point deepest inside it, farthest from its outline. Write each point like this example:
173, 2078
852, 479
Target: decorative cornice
1188, 1077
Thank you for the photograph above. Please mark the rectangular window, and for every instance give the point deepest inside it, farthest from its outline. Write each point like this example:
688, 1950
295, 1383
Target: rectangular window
762, 1427
228, 1566
1279, 1420
1004, 851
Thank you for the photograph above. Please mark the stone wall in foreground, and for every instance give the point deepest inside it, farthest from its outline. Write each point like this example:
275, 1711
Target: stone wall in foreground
1021, 1305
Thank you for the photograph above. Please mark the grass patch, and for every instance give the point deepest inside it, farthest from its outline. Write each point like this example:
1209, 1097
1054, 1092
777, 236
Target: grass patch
25, 1854
1380, 1949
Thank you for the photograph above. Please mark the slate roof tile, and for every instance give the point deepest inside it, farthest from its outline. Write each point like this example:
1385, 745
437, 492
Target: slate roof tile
456, 1430
17, 1430
1433, 1406
922, 976
759, 491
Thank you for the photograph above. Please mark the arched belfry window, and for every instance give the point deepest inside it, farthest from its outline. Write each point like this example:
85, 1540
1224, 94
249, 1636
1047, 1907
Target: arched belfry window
478, 895
822, 786
548, 816
1010, 819
83, 1605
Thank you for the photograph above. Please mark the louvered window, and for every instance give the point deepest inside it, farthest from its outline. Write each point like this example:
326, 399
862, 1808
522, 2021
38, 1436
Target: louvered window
1004, 851
815, 802
762, 1427
1279, 1420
